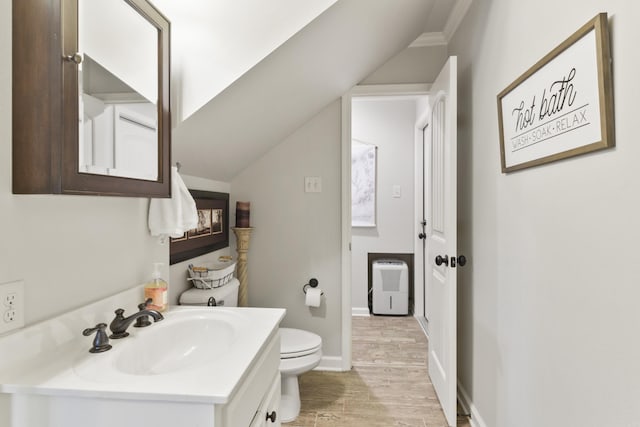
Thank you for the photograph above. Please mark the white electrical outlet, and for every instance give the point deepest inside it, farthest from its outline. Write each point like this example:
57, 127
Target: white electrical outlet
9, 316
10, 299
11, 306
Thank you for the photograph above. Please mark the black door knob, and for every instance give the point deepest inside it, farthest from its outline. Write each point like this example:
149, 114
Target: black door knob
442, 260
461, 261
272, 416
422, 236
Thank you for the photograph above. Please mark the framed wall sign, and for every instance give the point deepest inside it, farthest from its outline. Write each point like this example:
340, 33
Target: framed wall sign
212, 232
563, 105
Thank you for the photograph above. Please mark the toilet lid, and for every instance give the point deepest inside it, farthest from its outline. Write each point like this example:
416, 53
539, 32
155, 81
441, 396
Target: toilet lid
296, 342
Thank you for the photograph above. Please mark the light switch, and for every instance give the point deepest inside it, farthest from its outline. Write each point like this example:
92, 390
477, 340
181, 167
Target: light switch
312, 184
396, 192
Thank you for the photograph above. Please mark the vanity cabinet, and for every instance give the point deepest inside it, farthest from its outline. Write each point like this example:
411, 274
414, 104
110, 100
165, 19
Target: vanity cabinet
50, 103
256, 396
259, 394
267, 414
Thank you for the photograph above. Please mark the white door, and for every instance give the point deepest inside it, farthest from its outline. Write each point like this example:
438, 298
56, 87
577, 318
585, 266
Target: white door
441, 262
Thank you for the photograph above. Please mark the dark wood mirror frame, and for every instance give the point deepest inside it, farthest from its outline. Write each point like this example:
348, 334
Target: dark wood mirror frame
45, 104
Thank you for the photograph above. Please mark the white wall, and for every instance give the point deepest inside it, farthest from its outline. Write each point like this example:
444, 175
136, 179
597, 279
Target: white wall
388, 123
214, 43
297, 234
548, 305
411, 65
69, 250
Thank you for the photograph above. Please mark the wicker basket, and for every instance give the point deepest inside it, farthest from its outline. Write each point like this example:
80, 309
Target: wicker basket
211, 277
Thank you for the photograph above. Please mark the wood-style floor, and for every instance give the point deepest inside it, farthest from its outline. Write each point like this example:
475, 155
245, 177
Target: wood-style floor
388, 385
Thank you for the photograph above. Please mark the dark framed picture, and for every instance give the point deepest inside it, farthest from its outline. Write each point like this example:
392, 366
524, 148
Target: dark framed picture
212, 232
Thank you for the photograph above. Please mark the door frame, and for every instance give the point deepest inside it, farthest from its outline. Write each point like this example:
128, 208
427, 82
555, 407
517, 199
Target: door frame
420, 303
357, 91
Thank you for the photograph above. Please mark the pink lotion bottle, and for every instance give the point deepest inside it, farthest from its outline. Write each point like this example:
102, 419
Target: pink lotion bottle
157, 290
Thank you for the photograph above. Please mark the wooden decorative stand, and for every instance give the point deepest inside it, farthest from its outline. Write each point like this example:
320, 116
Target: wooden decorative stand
242, 242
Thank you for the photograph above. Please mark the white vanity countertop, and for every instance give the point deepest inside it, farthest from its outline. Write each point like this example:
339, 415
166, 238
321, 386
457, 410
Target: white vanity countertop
52, 358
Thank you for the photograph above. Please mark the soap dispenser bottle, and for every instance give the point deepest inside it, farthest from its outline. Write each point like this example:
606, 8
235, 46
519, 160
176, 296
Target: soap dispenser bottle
156, 289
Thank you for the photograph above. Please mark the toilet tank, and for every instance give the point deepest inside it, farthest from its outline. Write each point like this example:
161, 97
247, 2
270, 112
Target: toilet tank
225, 296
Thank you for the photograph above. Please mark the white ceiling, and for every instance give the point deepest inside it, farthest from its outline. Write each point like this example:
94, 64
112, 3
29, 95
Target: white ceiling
215, 42
314, 67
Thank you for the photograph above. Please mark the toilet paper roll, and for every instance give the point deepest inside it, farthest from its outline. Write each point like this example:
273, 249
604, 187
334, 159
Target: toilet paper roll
313, 297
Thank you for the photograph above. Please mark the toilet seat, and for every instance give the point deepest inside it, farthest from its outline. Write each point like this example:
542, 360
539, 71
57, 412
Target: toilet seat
298, 343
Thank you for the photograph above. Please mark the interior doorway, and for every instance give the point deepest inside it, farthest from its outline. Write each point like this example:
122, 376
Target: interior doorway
436, 147
355, 297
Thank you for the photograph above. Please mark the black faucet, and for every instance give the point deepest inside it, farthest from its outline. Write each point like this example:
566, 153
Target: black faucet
120, 323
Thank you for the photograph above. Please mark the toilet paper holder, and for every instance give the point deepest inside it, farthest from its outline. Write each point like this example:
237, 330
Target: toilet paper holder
312, 283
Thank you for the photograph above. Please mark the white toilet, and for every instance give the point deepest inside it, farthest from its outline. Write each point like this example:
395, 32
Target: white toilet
300, 351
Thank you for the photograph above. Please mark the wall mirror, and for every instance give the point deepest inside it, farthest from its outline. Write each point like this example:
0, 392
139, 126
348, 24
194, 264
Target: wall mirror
118, 91
111, 134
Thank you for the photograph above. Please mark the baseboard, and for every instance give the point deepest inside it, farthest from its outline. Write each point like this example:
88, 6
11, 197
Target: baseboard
467, 405
329, 363
359, 311
423, 325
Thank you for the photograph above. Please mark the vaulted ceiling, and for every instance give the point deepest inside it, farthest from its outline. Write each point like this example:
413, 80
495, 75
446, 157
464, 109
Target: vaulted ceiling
296, 73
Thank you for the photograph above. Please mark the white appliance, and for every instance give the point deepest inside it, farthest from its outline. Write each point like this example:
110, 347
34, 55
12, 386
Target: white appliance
390, 287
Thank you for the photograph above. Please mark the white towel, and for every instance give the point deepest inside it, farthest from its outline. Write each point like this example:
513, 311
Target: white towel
173, 217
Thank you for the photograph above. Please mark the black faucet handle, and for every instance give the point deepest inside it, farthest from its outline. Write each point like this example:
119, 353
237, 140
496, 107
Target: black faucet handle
143, 321
145, 304
101, 341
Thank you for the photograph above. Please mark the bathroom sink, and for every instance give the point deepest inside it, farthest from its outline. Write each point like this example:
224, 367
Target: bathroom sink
184, 341
196, 357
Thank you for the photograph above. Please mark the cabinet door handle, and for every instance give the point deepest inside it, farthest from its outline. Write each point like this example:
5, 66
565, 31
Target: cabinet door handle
272, 416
